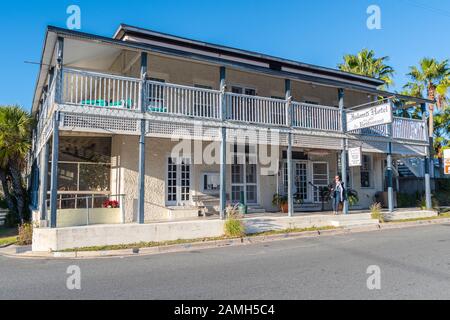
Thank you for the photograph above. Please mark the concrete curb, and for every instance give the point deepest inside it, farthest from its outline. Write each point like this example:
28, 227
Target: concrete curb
220, 243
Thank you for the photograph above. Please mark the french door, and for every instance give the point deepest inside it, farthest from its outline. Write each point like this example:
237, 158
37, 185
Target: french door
320, 179
178, 181
244, 180
300, 170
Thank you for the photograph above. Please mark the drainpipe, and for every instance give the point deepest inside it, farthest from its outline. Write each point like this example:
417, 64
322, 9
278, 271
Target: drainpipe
289, 150
55, 143
389, 169
428, 202
223, 145
344, 145
141, 182
43, 182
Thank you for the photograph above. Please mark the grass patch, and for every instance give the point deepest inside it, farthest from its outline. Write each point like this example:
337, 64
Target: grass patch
8, 236
441, 216
141, 245
292, 230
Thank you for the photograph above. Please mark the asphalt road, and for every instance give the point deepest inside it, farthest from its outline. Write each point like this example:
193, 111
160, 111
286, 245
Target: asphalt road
414, 264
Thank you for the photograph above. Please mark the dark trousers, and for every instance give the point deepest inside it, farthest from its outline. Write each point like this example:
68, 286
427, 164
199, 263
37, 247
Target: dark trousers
336, 201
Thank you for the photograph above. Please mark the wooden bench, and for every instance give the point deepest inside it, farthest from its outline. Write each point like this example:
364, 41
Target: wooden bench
207, 203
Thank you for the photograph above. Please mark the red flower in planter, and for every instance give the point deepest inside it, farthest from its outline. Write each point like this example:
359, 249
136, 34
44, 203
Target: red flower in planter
111, 204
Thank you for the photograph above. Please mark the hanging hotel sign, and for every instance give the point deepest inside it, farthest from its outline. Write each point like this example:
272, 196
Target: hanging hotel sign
354, 157
447, 161
370, 117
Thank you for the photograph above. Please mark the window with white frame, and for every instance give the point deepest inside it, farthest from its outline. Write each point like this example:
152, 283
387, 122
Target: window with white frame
243, 90
366, 172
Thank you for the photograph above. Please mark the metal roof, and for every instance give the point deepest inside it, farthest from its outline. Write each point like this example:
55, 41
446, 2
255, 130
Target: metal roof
306, 72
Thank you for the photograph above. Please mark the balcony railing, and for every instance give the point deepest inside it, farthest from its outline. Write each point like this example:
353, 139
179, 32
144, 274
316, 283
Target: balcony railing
95, 89
84, 88
253, 109
310, 116
182, 100
409, 129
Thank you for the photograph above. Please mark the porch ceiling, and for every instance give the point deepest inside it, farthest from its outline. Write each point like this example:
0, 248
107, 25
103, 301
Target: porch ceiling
89, 55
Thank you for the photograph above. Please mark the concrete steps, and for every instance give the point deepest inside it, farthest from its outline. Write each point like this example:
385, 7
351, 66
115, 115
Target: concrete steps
255, 209
182, 213
308, 207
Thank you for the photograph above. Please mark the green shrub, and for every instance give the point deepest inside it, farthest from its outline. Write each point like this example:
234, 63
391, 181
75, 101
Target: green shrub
422, 203
405, 200
443, 197
25, 234
443, 184
3, 204
352, 197
12, 220
234, 227
375, 210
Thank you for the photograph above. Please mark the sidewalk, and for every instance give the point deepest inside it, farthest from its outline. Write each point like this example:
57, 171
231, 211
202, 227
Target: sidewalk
25, 252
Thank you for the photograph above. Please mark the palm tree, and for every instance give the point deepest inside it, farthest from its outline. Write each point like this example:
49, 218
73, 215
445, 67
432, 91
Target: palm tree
432, 77
365, 63
441, 134
15, 137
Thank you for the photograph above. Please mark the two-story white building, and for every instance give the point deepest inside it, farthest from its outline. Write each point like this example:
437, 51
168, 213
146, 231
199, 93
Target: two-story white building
173, 128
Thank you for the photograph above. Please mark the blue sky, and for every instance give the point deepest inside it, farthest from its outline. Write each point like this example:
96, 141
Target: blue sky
317, 32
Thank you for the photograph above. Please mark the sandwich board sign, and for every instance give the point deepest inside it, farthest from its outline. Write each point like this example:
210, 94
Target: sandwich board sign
370, 117
354, 157
447, 161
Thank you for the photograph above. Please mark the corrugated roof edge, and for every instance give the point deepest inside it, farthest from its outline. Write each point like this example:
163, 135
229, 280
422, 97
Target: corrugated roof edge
62, 31
124, 28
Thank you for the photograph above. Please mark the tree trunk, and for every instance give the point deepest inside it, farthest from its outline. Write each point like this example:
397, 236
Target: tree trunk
19, 192
8, 198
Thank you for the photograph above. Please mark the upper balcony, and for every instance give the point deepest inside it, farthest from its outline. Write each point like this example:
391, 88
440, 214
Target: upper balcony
92, 91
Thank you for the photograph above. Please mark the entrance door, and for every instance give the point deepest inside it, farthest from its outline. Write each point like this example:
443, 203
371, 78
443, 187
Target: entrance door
178, 181
320, 178
244, 178
300, 170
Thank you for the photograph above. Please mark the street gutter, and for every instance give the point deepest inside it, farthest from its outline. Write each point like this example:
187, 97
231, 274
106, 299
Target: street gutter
15, 252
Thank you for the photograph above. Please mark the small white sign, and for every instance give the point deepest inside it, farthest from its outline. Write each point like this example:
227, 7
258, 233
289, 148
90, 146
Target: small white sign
370, 117
447, 161
354, 157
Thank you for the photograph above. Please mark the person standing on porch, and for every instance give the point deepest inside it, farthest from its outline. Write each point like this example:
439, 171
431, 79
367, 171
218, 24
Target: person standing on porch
337, 194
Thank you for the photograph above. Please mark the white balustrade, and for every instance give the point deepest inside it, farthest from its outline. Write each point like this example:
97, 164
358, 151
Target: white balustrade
409, 129
182, 100
110, 91
254, 109
100, 90
310, 116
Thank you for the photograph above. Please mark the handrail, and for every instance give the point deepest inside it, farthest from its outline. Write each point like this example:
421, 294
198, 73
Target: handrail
100, 74
411, 119
315, 105
173, 85
254, 97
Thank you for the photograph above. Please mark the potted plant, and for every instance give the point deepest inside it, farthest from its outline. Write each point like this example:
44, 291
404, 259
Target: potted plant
352, 197
281, 202
111, 204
